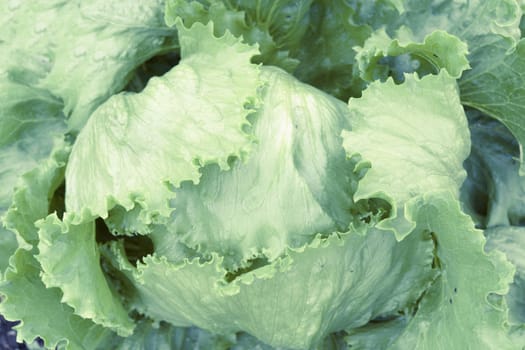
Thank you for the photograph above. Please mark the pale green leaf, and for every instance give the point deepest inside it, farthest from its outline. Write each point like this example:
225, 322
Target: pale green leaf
511, 241
458, 303
296, 183
203, 101
376, 335
329, 285
382, 56
31, 142
416, 137
70, 260
33, 198
80, 52
41, 312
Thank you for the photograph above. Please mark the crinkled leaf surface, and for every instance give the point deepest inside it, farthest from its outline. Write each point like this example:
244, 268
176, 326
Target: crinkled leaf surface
312, 39
326, 286
415, 135
40, 309
81, 52
491, 29
296, 183
201, 101
70, 56
457, 304
70, 260
463, 309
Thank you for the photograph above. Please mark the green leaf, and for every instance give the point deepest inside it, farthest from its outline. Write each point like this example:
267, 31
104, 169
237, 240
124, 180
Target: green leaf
376, 335
326, 54
8, 246
204, 100
522, 22
457, 306
511, 241
32, 199
518, 336
493, 193
82, 53
31, 139
30, 119
464, 19
163, 336
27, 112
415, 136
495, 83
276, 26
312, 39
70, 260
40, 310
296, 183
329, 285
382, 56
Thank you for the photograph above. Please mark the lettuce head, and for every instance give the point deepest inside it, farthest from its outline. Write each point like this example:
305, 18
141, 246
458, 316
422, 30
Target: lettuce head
263, 175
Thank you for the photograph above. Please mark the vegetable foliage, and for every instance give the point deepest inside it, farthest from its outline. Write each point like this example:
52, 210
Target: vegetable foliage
291, 174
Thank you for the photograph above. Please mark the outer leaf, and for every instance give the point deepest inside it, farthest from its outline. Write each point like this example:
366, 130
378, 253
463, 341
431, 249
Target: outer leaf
8, 245
511, 241
30, 147
33, 196
465, 19
202, 101
40, 309
27, 113
493, 193
70, 260
163, 336
376, 335
518, 336
318, 289
30, 120
495, 84
80, 52
296, 183
456, 306
382, 56
490, 28
522, 22
416, 137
